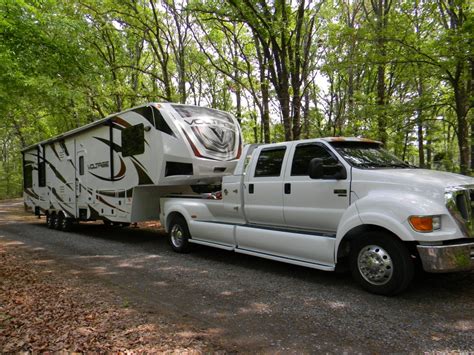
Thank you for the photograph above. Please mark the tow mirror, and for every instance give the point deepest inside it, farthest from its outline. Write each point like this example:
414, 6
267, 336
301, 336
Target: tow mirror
318, 171
340, 173
316, 168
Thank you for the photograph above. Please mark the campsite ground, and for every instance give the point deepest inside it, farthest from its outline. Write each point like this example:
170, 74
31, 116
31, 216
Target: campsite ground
100, 289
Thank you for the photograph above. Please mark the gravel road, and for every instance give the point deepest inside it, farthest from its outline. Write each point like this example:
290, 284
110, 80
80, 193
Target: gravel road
252, 304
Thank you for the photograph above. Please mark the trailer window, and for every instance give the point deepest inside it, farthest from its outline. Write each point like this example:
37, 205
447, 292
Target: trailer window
81, 165
269, 162
28, 176
145, 112
42, 174
133, 140
160, 123
303, 155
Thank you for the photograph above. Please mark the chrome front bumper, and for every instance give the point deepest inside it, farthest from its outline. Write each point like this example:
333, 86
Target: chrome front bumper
447, 258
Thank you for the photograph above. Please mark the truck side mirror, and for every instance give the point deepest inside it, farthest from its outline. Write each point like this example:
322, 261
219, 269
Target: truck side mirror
318, 171
316, 168
340, 173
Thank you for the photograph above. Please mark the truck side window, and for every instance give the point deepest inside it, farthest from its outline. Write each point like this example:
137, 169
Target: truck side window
269, 162
133, 140
303, 155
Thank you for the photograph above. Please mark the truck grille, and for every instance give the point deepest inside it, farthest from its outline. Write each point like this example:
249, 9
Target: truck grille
460, 201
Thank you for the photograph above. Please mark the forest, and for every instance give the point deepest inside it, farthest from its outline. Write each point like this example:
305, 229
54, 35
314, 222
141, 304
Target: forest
398, 71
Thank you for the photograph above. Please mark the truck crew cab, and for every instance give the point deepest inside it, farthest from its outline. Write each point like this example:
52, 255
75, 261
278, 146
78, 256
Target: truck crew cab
321, 202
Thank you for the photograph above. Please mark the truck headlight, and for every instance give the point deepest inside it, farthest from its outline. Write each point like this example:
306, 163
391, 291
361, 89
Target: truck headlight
425, 224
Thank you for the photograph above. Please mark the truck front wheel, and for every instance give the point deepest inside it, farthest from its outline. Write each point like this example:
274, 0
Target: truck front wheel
179, 235
381, 264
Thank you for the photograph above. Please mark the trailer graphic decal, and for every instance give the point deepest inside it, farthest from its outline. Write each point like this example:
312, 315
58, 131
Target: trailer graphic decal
115, 147
101, 199
32, 194
121, 122
119, 176
143, 178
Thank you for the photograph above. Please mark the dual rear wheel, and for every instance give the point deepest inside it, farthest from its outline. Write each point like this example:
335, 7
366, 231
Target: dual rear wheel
179, 235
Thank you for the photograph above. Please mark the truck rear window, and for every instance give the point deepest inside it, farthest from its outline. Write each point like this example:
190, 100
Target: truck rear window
269, 162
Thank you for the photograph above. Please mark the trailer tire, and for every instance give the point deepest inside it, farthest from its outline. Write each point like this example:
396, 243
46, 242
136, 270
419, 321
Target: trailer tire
51, 220
48, 220
66, 224
58, 221
179, 235
381, 263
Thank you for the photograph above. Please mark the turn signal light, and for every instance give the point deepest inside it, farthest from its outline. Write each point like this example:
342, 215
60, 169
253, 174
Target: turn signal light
425, 223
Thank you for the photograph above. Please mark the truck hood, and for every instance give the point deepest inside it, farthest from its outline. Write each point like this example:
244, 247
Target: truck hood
428, 182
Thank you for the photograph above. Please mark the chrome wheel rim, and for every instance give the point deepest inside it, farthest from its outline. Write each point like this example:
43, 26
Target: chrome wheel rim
177, 236
375, 265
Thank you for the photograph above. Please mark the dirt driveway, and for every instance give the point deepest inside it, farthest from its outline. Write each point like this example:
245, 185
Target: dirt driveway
242, 303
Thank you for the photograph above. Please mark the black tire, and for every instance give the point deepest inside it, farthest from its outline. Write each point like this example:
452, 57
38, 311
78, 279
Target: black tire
48, 220
66, 224
51, 221
381, 263
178, 235
58, 221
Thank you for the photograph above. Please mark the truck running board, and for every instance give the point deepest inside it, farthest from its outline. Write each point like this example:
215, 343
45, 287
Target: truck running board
210, 244
287, 260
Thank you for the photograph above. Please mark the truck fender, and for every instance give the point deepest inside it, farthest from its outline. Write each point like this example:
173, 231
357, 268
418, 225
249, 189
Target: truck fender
386, 210
171, 208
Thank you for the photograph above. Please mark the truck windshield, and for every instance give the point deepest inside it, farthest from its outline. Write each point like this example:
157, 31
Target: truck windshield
368, 155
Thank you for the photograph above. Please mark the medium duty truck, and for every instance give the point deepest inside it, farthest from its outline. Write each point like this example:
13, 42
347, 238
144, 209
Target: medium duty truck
324, 202
117, 168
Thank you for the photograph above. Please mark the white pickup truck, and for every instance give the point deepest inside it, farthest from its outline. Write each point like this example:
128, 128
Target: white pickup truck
323, 202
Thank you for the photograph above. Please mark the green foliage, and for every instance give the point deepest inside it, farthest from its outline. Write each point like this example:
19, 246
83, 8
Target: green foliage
64, 64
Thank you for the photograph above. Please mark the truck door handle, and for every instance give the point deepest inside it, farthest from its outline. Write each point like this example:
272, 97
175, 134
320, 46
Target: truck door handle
250, 188
287, 188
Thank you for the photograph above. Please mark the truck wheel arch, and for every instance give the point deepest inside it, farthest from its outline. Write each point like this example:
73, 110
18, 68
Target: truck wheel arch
170, 218
344, 245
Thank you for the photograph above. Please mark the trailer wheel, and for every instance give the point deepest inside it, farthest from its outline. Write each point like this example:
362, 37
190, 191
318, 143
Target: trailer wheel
66, 224
381, 264
179, 235
48, 220
58, 221
51, 220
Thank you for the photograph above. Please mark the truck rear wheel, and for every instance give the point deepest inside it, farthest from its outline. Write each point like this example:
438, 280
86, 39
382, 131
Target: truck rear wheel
381, 264
179, 235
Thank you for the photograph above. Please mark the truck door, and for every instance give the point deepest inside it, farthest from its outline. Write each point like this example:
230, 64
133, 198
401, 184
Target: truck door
313, 204
263, 193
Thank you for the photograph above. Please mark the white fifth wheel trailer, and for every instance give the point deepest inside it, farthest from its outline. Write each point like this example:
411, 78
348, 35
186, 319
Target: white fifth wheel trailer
117, 168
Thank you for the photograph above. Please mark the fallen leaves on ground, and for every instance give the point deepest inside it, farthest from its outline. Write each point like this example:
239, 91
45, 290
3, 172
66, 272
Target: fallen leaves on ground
43, 308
